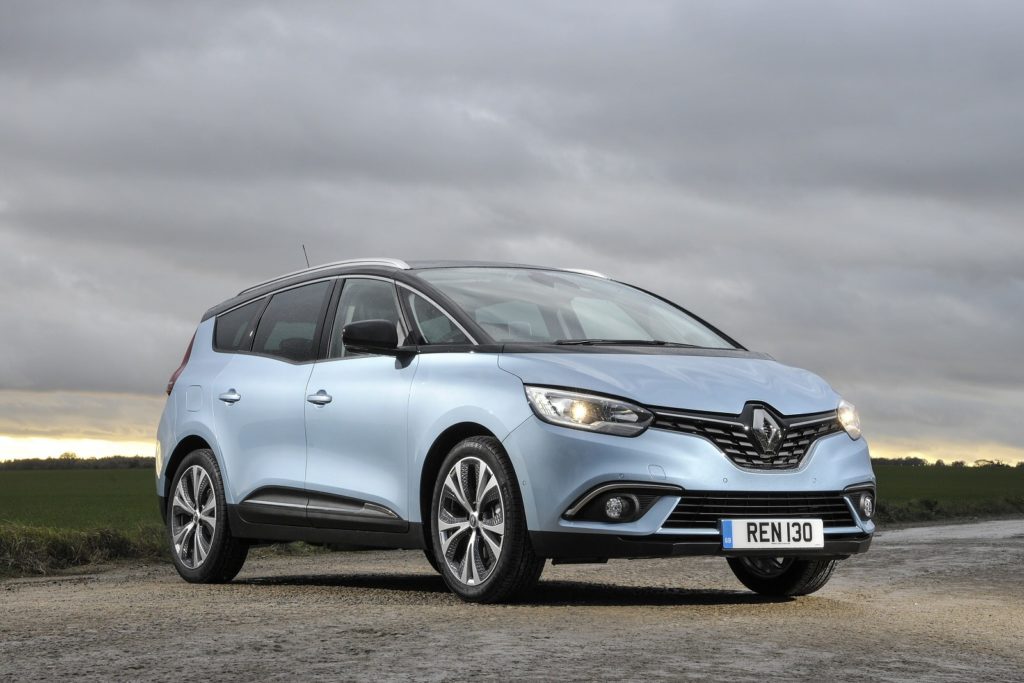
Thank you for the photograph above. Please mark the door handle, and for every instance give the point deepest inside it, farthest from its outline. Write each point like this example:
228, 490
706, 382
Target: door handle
320, 398
230, 396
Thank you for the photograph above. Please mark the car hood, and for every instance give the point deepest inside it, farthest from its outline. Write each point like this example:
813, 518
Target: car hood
715, 383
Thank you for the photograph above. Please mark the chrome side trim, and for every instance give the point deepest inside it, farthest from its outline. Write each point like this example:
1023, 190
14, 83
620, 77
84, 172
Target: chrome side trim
668, 489
386, 262
367, 509
272, 503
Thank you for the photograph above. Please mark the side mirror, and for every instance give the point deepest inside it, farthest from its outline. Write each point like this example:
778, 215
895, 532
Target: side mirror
371, 336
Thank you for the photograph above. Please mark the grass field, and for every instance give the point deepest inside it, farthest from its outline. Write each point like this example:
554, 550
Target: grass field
911, 494
899, 483
79, 499
52, 519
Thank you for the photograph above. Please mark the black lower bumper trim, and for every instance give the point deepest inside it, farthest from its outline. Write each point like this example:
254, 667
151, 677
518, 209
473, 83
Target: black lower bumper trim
559, 545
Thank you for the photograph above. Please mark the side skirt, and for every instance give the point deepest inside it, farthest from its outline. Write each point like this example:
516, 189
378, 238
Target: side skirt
411, 537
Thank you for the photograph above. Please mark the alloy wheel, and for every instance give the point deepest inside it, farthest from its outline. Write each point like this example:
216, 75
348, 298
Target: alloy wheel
471, 521
767, 567
193, 517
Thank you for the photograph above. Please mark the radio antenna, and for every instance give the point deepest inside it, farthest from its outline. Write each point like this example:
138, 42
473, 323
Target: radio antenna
305, 254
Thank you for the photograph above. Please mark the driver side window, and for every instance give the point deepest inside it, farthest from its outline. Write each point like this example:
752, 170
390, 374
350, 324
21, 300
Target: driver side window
363, 300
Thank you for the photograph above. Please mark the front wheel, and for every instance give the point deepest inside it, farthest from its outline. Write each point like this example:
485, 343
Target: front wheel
478, 527
782, 576
202, 547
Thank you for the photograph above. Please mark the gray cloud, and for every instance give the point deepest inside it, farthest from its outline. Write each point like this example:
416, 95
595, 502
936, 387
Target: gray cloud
836, 184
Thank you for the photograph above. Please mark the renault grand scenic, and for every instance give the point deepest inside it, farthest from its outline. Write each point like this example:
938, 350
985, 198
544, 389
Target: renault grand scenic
497, 416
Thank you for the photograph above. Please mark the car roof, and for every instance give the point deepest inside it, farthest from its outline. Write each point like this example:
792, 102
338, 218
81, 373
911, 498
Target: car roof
392, 267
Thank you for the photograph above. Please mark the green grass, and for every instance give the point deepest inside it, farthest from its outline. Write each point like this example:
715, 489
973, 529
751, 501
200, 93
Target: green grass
911, 494
54, 519
79, 499
899, 483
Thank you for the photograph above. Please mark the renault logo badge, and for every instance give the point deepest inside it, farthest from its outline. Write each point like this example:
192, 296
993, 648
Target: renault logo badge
766, 430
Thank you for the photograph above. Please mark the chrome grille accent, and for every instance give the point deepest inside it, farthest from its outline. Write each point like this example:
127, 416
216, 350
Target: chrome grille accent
704, 509
732, 435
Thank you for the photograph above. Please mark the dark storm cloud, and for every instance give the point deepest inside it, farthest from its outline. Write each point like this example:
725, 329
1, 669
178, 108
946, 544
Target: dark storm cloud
835, 183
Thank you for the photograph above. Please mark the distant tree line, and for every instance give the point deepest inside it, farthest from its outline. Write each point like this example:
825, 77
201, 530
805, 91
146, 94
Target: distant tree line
71, 461
921, 462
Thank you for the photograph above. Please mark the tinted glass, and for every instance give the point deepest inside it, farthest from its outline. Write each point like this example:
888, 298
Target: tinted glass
364, 300
288, 326
544, 306
434, 326
234, 328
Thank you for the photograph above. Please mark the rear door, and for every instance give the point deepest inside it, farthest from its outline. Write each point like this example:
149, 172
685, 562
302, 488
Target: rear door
357, 465
259, 404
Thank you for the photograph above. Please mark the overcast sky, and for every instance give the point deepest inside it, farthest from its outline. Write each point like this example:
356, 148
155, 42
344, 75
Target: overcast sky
840, 185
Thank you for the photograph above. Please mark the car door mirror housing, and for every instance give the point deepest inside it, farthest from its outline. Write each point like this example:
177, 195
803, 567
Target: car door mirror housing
371, 336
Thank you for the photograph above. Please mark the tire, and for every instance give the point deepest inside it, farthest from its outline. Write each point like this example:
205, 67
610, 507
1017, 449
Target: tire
480, 540
782, 576
201, 544
429, 554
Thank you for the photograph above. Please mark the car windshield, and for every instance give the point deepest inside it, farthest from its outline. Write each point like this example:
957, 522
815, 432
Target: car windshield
545, 306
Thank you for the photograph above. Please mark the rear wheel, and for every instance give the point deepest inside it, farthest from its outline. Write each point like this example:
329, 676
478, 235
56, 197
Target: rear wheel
478, 527
782, 576
202, 547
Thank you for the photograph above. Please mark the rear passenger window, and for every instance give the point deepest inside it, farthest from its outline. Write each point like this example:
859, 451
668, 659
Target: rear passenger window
288, 328
234, 329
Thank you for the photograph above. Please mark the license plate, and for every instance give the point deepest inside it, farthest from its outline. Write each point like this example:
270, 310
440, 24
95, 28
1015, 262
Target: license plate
741, 534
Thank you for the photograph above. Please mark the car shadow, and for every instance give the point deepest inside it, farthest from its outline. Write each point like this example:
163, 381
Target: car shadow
546, 593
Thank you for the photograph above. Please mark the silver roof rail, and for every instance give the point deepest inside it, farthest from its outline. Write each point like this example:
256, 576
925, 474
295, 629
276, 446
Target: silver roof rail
387, 262
584, 271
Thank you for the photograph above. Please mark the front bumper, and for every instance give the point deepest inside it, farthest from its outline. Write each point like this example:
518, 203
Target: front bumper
556, 466
575, 546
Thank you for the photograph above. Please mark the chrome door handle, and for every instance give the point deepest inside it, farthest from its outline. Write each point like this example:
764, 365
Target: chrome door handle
230, 396
320, 398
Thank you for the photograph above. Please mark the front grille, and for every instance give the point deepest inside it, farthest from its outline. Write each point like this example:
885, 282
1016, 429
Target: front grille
703, 509
733, 435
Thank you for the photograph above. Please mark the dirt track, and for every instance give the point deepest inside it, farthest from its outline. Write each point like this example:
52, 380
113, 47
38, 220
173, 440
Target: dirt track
933, 603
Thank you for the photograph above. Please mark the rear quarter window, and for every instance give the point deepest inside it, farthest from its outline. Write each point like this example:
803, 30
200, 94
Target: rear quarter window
234, 329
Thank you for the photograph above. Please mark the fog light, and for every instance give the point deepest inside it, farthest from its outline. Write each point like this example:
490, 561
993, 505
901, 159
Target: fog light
614, 507
867, 505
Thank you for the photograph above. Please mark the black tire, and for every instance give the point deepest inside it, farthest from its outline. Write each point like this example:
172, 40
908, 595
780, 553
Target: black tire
515, 569
782, 577
226, 554
429, 554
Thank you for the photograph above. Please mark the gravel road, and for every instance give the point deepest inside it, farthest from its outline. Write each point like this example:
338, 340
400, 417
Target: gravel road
925, 604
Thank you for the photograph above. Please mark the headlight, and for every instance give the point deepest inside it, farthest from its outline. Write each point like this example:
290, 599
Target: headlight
849, 419
589, 412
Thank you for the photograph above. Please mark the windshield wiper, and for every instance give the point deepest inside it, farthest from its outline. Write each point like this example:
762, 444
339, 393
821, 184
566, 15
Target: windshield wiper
623, 342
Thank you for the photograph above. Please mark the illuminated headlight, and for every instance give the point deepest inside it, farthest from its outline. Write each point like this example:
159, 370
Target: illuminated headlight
849, 419
589, 412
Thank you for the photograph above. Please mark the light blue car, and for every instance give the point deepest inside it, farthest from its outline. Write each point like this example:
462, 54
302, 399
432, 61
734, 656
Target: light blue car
497, 416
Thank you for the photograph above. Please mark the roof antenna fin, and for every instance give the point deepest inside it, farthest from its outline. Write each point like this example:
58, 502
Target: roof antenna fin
305, 254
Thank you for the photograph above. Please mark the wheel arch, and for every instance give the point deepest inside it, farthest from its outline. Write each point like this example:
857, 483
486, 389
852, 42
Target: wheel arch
436, 454
192, 442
